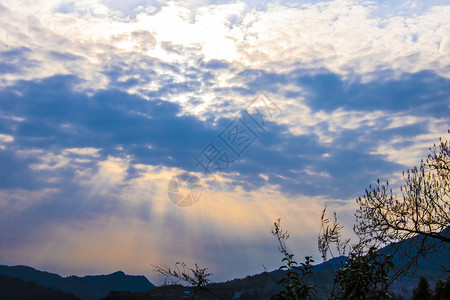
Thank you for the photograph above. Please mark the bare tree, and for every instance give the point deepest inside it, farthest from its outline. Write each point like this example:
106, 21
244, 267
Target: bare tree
422, 209
197, 278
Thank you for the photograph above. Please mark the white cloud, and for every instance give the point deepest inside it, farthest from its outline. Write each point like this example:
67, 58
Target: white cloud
350, 38
343, 36
5, 138
84, 151
417, 146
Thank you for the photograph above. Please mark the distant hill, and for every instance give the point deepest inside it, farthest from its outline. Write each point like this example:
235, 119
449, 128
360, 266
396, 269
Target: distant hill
19, 289
119, 281
263, 286
259, 286
86, 288
433, 266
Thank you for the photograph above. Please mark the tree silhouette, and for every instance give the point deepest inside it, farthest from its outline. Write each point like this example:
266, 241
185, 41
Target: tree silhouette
382, 218
422, 291
295, 283
421, 210
197, 277
363, 273
423, 207
442, 290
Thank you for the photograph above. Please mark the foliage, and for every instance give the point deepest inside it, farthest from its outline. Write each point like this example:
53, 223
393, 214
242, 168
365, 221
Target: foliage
382, 218
363, 274
422, 291
295, 283
330, 233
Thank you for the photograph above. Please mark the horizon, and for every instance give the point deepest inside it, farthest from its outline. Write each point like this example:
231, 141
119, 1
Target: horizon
146, 133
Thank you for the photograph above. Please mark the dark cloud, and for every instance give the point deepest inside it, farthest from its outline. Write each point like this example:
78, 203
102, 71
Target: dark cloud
259, 80
57, 117
15, 60
422, 93
15, 172
153, 132
302, 165
141, 70
216, 64
298, 163
47, 116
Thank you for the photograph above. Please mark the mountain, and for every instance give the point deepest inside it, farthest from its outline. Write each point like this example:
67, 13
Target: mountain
433, 266
86, 288
119, 281
263, 286
19, 289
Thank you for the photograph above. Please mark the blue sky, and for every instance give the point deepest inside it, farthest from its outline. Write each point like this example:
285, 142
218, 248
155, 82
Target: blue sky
102, 103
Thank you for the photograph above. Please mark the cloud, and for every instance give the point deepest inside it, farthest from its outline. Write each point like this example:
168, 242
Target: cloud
132, 8
219, 227
15, 171
15, 61
418, 93
344, 37
154, 133
57, 116
102, 103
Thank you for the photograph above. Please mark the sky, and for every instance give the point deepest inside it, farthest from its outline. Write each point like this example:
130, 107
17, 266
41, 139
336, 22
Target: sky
258, 109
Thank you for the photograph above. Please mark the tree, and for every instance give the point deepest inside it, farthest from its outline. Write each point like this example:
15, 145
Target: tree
197, 278
438, 290
442, 290
363, 273
422, 209
422, 291
382, 218
363, 276
295, 283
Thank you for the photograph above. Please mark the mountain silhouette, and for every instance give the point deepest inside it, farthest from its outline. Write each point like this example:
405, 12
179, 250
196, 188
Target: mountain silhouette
86, 288
263, 286
118, 285
19, 289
